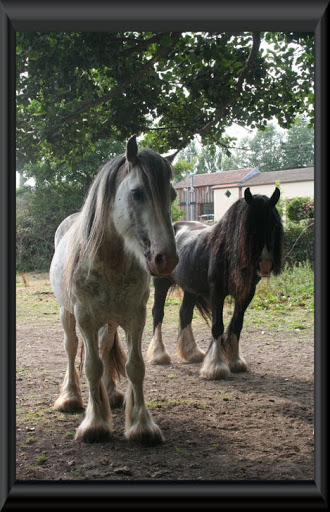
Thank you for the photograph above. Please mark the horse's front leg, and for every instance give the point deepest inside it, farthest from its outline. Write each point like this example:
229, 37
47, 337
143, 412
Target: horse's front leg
139, 425
96, 426
236, 361
157, 353
215, 365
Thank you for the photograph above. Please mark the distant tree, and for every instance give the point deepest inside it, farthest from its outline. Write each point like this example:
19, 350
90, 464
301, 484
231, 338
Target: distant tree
181, 168
209, 160
298, 149
275, 149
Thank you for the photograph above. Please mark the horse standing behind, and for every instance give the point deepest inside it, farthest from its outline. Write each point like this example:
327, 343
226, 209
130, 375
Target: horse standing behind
228, 258
100, 274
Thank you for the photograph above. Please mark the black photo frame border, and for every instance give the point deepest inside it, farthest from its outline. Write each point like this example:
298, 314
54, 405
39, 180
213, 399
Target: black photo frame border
236, 15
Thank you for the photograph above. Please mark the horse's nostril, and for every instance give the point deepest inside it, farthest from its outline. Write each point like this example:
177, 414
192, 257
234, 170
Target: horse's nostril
164, 263
160, 260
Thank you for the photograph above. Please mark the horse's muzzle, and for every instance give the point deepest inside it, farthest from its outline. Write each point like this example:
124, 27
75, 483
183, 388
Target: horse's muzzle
265, 268
162, 264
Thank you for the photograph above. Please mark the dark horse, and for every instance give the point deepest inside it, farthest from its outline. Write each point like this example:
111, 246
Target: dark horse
228, 258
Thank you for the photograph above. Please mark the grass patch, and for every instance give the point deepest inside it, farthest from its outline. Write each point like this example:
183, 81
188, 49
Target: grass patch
41, 459
35, 302
226, 396
181, 451
284, 301
294, 288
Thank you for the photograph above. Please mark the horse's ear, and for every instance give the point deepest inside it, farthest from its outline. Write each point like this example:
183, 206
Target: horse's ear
131, 150
248, 196
275, 196
171, 157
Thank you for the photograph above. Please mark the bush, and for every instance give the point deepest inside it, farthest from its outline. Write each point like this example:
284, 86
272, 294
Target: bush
177, 214
39, 213
300, 208
299, 243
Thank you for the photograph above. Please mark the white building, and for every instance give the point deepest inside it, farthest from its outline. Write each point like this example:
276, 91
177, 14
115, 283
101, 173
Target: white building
293, 183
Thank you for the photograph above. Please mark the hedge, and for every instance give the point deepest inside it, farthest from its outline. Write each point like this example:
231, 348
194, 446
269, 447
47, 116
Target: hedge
299, 243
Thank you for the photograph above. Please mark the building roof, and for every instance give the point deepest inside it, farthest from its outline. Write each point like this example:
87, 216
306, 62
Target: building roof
215, 178
287, 176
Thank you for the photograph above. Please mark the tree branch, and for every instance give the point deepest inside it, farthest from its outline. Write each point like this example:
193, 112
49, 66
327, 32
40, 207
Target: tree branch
86, 106
250, 60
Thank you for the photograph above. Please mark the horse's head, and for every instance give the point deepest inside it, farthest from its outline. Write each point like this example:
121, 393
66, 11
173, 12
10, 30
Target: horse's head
142, 209
264, 232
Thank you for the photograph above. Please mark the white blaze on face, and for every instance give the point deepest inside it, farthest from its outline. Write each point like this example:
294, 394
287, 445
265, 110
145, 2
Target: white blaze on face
123, 216
148, 235
266, 263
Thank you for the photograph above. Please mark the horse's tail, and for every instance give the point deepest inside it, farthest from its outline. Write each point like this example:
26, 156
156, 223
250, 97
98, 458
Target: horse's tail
202, 303
118, 359
204, 307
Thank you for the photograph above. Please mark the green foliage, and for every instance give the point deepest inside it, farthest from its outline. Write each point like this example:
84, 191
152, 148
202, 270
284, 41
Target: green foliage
299, 243
298, 149
177, 214
273, 149
75, 89
281, 202
39, 213
300, 208
294, 287
181, 168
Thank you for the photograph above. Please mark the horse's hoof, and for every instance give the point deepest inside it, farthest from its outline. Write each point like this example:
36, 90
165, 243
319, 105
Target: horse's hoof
95, 434
165, 359
217, 371
150, 436
157, 355
116, 398
196, 357
238, 366
70, 404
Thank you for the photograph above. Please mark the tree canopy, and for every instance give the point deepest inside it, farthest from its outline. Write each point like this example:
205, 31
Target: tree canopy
75, 90
274, 149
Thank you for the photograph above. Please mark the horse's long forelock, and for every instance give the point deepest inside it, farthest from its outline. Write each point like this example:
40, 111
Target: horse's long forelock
155, 180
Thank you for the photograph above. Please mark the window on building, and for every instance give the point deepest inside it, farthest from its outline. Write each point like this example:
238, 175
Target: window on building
207, 208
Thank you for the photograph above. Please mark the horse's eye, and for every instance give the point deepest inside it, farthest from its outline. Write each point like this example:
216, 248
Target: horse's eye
137, 194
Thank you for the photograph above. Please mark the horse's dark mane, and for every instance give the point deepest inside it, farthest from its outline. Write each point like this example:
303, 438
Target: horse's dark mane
239, 237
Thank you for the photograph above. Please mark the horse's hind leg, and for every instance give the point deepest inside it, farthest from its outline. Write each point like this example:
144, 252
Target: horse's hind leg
156, 353
187, 346
69, 399
114, 359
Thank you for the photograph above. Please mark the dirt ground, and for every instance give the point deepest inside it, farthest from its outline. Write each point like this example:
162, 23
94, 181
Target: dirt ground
256, 425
